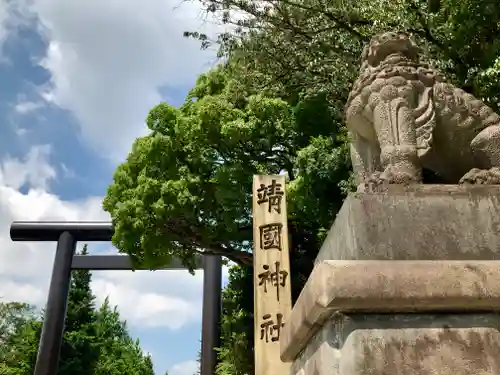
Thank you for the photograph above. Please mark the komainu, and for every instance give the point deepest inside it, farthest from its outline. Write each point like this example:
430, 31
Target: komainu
403, 117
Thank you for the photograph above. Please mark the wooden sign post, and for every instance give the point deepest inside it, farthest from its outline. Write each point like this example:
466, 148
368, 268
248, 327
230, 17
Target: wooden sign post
271, 265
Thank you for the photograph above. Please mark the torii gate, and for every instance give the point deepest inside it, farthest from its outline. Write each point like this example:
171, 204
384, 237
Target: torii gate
67, 234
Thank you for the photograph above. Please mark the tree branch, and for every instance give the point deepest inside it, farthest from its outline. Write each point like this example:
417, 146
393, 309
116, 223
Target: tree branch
187, 235
240, 257
346, 26
425, 32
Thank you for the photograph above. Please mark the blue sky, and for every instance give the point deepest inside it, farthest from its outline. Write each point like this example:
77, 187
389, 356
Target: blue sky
77, 80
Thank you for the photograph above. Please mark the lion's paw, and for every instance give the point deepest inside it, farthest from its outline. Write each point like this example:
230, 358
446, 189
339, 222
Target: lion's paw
482, 177
395, 175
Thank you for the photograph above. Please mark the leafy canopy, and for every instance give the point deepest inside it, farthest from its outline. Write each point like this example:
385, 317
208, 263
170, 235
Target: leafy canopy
186, 188
95, 342
314, 45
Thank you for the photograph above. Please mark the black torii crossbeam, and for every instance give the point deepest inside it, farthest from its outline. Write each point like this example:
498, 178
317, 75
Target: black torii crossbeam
67, 234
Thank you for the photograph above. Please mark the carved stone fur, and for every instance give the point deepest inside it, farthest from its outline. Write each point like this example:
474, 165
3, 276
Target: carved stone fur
403, 116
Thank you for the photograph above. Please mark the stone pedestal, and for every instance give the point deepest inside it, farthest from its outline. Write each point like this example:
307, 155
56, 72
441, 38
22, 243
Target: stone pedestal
407, 283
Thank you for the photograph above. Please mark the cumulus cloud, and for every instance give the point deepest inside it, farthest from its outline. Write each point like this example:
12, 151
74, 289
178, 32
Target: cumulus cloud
167, 298
25, 267
184, 368
34, 170
108, 61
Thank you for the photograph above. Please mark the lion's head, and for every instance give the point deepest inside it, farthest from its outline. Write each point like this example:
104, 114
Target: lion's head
388, 43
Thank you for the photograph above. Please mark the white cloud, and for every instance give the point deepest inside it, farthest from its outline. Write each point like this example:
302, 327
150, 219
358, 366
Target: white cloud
167, 298
26, 107
19, 291
34, 170
184, 368
109, 59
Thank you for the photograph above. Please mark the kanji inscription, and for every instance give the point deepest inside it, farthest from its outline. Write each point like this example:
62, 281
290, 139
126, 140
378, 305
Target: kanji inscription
270, 328
270, 236
271, 194
275, 278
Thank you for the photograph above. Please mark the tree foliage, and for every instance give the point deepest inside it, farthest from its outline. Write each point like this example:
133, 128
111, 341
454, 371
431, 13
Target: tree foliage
79, 350
17, 327
95, 342
119, 353
236, 352
186, 187
315, 45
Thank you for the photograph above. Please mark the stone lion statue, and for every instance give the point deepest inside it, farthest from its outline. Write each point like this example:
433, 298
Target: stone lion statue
403, 118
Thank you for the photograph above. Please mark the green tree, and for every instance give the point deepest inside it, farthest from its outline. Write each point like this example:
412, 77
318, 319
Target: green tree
94, 342
315, 45
119, 353
236, 353
17, 322
198, 361
148, 365
79, 351
186, 187
13, 316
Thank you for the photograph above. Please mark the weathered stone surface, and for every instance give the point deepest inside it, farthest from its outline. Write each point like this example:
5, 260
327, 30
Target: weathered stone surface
403, 116
405, 284
416, 344
417, 222
389, 286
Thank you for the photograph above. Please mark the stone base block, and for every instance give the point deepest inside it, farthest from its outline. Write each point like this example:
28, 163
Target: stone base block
405, 284
388, 287
399, 344
419, 222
